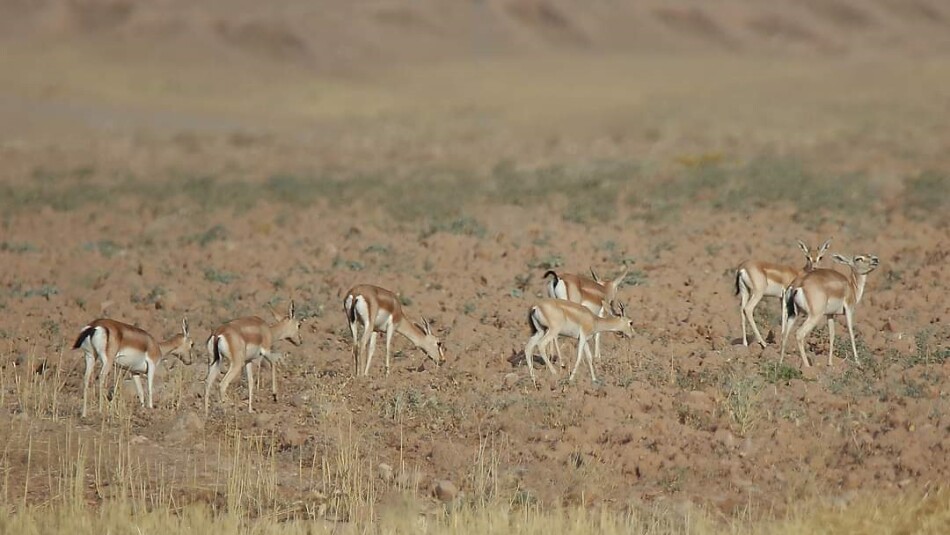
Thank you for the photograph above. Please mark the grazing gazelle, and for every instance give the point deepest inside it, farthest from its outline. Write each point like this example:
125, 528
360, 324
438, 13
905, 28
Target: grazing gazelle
826, 293
592, 293
244, 341
119, 344
379, 310
756, 279
556, 317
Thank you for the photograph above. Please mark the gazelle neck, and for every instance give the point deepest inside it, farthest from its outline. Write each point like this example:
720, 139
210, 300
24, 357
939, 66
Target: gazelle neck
171, 344
858, 280
411, 331
611, 324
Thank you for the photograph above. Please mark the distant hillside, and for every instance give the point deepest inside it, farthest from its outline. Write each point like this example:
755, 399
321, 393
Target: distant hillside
342, 34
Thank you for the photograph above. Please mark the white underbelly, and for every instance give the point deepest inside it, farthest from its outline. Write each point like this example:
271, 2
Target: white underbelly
135, 363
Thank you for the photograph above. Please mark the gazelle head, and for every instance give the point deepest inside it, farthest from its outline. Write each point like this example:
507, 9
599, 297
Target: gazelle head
860, 264
430, 344
813, 258
180, 345
623, 324
287, 327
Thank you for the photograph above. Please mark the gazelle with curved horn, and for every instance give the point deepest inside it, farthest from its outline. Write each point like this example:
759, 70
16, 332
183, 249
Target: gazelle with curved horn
592, 293
128, 347
826, 293
245, 341
756, 279
556, 317
378, 310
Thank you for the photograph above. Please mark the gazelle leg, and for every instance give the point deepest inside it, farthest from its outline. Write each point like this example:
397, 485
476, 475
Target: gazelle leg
803, 333
596, 346
369, 355
150, 383
750, 315
590, 362
365, 341
356, 346
213, 370
237, 362
581, 344
138, 388
389, 341
744, 300
544, 343
249, 373
831, 339
849, 317
528, 349
272, 359
103, 377
87, 376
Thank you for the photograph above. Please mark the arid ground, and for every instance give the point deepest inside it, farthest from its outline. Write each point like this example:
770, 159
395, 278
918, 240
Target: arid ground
163, 160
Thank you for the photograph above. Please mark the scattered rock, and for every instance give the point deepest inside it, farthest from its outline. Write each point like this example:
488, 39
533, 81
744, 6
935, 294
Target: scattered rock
385, 472
445, 490
137, 440
290, 437
186, 426
511, 379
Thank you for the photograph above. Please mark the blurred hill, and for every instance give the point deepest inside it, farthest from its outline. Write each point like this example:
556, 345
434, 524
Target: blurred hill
342, 35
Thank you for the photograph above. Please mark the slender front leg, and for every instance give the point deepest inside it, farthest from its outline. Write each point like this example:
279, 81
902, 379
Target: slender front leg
590, 363
597, 346
849, 316
581, 343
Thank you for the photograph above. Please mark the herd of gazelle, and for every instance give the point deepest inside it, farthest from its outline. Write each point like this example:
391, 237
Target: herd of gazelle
577, 307
818, 293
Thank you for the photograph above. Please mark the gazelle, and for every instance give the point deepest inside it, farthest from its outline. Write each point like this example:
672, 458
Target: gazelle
594, 294
556, 317
826, 293
128, 347
244, 341
379, 310
756, 279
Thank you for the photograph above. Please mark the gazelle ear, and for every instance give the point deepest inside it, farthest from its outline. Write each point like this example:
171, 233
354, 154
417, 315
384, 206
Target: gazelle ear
843, 260
427, 325
273, 313
290, 312
623, 310
803, 247
184, 327
824, 246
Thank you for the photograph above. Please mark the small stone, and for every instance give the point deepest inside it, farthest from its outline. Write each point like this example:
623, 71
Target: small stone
445, 490
511, 379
